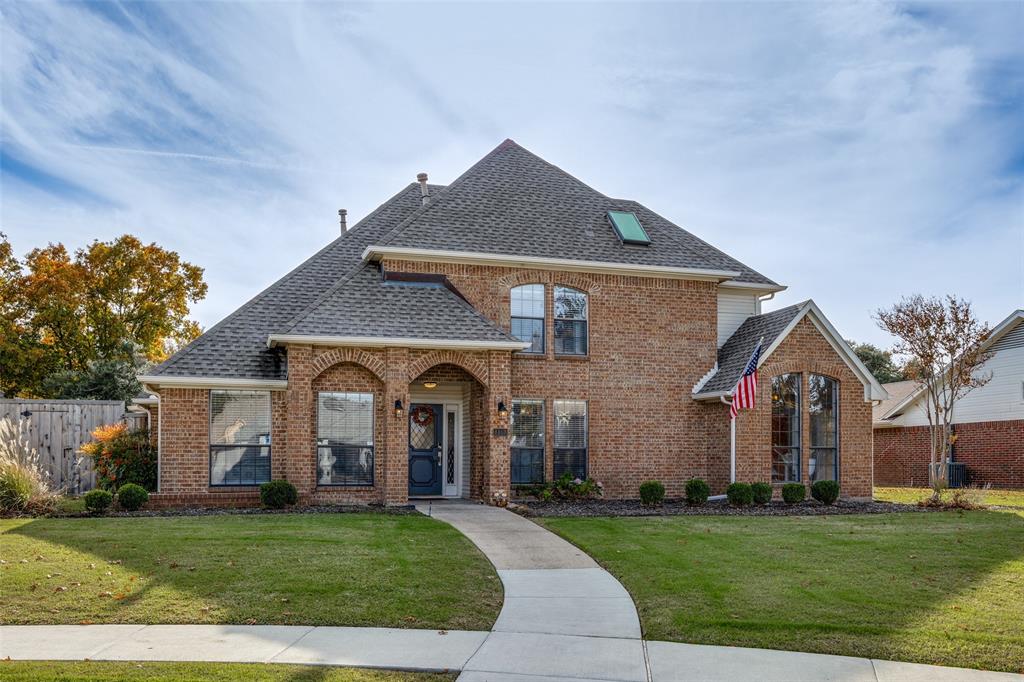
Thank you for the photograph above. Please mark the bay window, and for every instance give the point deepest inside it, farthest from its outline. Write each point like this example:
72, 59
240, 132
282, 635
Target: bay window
239, 437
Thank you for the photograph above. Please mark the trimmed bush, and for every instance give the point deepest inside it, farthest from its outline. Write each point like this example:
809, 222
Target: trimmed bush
132, 496
652, 493
278, 494
739, 494
793, 493
697, 491
826, 492
97, 501
121, 456
762, 492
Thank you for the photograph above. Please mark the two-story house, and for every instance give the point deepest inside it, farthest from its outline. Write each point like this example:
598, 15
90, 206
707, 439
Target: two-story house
502, 330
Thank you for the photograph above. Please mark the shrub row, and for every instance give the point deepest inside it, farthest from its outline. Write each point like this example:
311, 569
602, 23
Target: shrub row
742, 494
130, 497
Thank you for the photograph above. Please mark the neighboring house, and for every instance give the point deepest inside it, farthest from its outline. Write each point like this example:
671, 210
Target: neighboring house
988, 421
505, 329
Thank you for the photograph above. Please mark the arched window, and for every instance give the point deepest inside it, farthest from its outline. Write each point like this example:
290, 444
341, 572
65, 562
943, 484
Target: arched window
528, 316
823, 410
570, 321
786, 428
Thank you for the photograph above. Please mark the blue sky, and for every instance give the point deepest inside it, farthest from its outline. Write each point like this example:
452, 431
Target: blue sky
855, 152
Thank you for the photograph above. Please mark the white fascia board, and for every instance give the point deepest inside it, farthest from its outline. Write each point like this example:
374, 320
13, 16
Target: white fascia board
389, 342
752, 287
213, 382
565, 264
145, 401
717, 395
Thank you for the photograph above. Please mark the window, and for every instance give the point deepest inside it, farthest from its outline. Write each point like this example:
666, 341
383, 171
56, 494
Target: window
570, 321
823, 412
628, 227
786, 428
344, 438
528, 316
527, 441
570, 454
239, 437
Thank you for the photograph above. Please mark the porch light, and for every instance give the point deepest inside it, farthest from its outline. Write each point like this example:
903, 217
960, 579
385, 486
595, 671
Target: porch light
502, 410
398, 408
429, 384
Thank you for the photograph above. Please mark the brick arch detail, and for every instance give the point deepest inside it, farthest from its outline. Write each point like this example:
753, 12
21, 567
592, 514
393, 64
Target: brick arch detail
574, 280
514, 279
832, 370
584, 284
476, 367
353, 355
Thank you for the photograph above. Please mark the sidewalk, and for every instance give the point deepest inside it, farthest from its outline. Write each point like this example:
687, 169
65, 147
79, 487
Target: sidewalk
564, 619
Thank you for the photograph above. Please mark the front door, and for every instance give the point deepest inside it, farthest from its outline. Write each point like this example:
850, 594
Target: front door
425, 438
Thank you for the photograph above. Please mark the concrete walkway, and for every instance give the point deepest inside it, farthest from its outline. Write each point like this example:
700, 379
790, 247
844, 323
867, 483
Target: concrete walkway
564, 619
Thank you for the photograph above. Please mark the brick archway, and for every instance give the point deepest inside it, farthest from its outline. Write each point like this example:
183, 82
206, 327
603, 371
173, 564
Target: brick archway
357, 357
474, 366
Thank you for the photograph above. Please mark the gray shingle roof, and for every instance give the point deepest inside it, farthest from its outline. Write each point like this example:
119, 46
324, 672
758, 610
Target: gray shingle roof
236, 347
735, 353
515, 203
365, 305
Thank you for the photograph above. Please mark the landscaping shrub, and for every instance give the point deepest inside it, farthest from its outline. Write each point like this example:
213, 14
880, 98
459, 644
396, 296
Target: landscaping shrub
565, 487
762, 492
278, 494
739, 494
697, 491
24, 486
826, 492
131, 496
652, 493
121, 456
793, 493
97, 501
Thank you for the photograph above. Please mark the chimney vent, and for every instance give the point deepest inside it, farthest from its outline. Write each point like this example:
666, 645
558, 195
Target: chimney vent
424, 190
342, 218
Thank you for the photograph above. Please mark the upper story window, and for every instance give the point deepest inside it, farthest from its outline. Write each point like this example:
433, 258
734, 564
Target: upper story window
823, 413
528, 316
786, 428
239, 437
570, 321
628, 228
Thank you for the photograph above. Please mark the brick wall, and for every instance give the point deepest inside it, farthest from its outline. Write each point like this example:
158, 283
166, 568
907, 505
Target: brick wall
993, 452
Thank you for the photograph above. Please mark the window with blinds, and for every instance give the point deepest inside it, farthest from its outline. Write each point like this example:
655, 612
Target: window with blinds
527, 303
527, 429
239, 437
823, 412
570, 453
344, 438
570, 321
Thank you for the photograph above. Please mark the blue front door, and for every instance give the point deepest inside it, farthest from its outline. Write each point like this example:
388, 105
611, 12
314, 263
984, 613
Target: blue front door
425, 439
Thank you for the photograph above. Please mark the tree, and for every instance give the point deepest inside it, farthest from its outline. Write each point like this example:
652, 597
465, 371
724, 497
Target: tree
113, 379
943, 342
64, 316
879, 362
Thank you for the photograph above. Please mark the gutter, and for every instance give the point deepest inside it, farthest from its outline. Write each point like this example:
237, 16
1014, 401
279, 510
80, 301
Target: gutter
399, 342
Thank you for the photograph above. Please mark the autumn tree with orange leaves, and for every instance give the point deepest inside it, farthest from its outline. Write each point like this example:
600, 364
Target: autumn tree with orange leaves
68, 317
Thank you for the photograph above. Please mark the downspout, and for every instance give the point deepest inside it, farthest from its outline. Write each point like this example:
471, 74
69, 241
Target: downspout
732, 450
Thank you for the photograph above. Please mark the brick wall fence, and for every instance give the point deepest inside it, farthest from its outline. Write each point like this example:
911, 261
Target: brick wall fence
992, 451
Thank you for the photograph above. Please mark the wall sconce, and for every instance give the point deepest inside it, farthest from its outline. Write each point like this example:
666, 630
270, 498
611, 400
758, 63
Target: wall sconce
502, 410
398, 408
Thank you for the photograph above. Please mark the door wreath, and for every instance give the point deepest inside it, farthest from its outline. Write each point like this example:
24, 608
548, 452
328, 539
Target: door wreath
422, 415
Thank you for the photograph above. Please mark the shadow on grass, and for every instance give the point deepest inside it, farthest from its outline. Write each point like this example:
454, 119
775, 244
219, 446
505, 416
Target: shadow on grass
943, 587
317, 569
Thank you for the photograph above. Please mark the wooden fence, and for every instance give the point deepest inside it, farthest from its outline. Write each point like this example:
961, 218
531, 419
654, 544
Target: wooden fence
58, 428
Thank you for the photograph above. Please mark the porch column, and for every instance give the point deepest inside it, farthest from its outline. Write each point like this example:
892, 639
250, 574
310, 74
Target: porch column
497, 465
396, 431
299, 465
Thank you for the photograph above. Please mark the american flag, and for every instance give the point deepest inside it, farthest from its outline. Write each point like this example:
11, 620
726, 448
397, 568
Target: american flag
745, 392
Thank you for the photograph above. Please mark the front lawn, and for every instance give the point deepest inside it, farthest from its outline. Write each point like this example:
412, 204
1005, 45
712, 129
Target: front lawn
311, 569
1004, 498
102, 671
944, 588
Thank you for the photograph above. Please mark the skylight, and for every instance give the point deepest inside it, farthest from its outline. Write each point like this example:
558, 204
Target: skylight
628, 228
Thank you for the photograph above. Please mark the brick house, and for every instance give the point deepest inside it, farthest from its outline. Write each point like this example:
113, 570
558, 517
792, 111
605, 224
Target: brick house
988, 421
515, 325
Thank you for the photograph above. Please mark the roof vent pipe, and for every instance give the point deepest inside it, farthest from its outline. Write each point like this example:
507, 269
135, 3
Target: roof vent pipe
343, 219
424, 190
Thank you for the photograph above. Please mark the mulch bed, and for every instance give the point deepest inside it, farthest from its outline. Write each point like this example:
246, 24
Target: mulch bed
711, 508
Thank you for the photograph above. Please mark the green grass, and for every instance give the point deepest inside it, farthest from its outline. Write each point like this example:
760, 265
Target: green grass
1004, 498
313, 569
102, 671
944, 587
